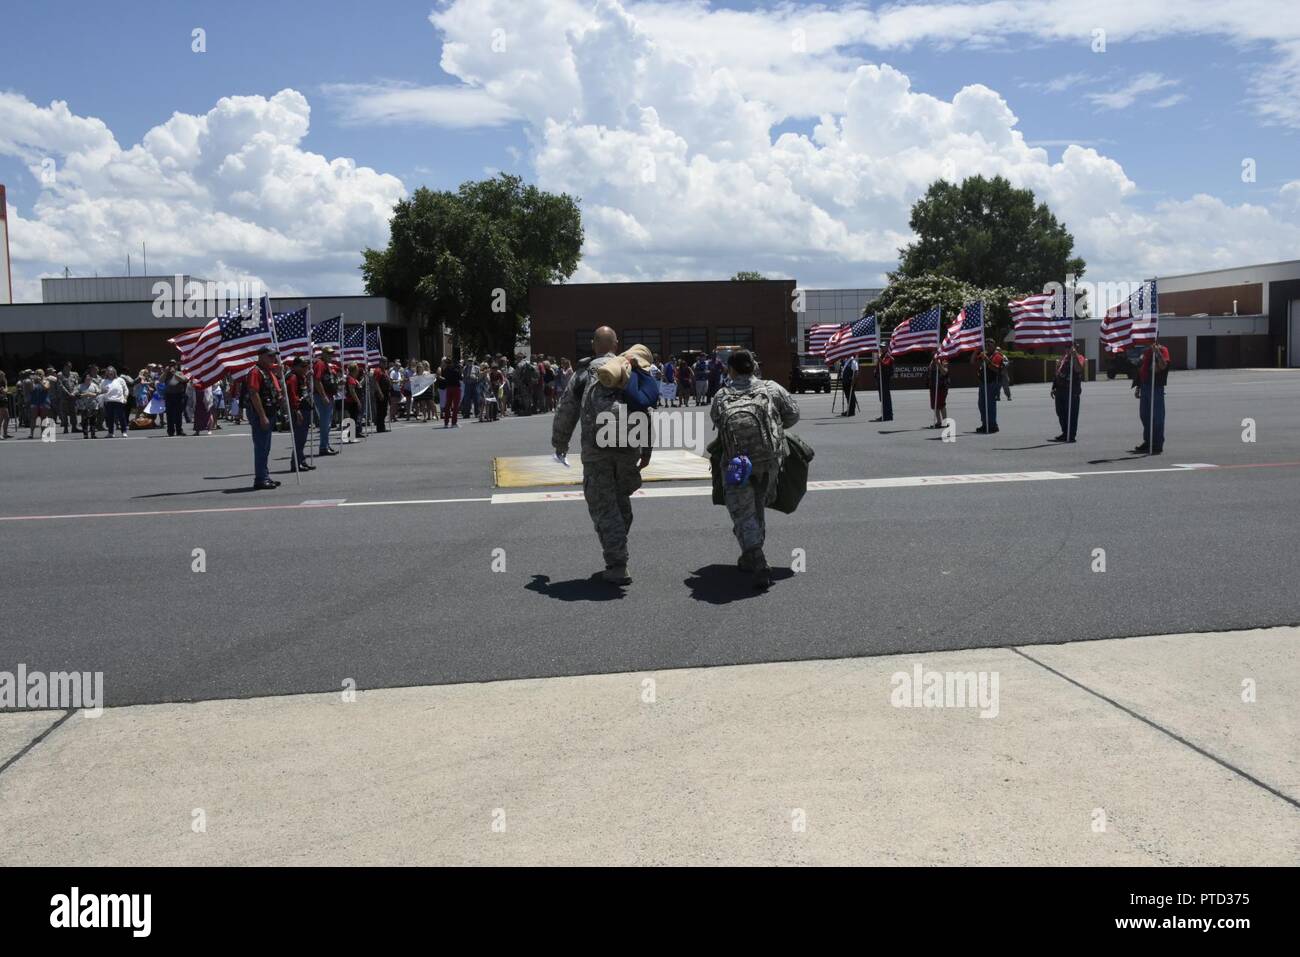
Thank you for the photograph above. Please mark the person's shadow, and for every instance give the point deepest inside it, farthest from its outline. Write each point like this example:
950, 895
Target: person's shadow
1122, 458
723, 584
594, 588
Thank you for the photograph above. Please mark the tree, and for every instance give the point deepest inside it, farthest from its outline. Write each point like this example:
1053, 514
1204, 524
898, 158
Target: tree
906, 296
989, 234
747, 275
466, 259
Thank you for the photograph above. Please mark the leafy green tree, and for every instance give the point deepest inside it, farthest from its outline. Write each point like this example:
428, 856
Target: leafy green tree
906, 296
466, 259
989, 234
747, 275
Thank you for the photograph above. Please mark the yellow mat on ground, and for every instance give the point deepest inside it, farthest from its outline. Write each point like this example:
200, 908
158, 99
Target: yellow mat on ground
524, 471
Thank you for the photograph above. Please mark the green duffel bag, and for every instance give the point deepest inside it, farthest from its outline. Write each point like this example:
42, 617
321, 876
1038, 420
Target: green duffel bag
714, 449
792, 480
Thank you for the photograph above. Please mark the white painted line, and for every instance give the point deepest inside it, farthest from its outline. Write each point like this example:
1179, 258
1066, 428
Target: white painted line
1172, 468
907, 481
664, 491
1194, 465
415, 501
910, 481
322, 502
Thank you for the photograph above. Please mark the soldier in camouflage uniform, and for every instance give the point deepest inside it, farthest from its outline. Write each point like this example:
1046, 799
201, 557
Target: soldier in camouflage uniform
609, 474
745, 503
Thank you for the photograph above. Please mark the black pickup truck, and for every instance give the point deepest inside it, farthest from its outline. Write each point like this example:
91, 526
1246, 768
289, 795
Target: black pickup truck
809, 373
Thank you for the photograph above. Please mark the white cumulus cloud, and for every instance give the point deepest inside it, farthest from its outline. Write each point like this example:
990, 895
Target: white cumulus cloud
227, 193
660, 117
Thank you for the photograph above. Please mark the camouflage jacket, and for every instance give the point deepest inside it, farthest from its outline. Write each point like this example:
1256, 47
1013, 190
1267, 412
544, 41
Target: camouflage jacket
583, 400
785, 411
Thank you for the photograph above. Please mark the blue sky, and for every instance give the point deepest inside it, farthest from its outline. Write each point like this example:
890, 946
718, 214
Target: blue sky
565, 102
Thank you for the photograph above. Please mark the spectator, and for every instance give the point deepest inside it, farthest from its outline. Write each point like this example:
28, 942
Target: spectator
4, 406
174, 386
115, 396
88, 406
39, 399
451, 408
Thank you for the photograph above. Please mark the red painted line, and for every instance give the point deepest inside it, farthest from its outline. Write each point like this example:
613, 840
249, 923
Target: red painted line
1252, 465
179, 511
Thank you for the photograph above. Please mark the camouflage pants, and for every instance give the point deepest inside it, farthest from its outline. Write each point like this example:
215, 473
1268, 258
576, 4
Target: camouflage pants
745, 506
606, 485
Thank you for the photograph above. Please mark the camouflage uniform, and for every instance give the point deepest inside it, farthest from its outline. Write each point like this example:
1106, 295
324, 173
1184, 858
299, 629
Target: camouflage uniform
745, 503
609, 475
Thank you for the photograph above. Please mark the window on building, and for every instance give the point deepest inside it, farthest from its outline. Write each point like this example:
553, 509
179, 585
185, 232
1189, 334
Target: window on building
582, 344
651, 338
742, 336
22, 350
61, 347
688, 340
103, 349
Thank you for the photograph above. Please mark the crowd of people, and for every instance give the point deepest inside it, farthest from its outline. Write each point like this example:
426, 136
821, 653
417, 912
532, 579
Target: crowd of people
106, 400
103, 402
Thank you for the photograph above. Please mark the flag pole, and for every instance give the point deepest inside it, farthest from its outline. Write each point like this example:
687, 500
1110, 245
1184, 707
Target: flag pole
1069, 395
938, 336
880, 354
984, 382
997, 389
343, 369
311, 386
284, 391
365, 373
1155, 346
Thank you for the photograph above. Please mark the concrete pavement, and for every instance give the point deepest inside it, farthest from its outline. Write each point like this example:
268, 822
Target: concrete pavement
1135, 751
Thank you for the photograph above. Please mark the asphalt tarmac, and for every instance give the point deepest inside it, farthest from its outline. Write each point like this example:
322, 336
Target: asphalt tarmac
395, 580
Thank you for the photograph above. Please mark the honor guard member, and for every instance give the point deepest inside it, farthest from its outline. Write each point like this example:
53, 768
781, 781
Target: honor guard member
1152, 398
264, 400
300, 404
939, 379
751, 415
609, 474
1067, 389
849, 375
381, 391
884, 380
325, 386
989, 363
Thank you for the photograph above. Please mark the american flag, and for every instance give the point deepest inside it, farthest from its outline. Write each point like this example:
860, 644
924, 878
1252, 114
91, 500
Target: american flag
861, 337
327, 333
291, 334
374, 348
354, 343
228, 344
1040, 321
1133, 322
966, 332
919, 333
820, 334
